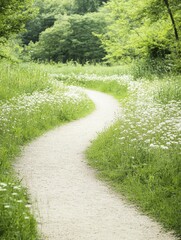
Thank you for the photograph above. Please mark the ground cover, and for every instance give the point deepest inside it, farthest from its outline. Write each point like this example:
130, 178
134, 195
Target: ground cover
139, 155
31, 103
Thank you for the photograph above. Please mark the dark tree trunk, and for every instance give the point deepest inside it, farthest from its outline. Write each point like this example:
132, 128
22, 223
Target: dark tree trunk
172, 19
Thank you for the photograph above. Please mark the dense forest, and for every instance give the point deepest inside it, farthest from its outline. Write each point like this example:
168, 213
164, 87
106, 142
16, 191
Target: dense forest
92, 31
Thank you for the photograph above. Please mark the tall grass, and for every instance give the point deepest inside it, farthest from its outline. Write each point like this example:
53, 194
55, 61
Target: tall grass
108, 84
151, 68
140, 155
78, 69
31, 103
16, 79
169, 89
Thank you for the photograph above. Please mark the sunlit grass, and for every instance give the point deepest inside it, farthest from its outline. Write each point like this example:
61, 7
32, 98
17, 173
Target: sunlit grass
16, 79
114, 84
140, 155
169, 89
78, 69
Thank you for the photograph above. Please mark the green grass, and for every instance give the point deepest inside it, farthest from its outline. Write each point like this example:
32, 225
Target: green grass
148, 178
111, 87
97, 69
16, 79
30, 105
169, 90
140, 154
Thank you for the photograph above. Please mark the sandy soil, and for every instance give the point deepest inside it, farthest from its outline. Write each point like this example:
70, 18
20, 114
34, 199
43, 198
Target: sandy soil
70, 203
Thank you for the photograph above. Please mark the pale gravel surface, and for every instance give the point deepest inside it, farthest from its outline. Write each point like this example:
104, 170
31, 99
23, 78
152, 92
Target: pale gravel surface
72, 204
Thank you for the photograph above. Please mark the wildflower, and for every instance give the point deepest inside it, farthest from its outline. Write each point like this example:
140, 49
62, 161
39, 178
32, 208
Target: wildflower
153, 145
14, 194
163, 147
6, 206
3, 184
16, 187
28, 205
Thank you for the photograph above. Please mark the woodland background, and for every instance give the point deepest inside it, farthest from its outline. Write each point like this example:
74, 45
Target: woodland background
116, 31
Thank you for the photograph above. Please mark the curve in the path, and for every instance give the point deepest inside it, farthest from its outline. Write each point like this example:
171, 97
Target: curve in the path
72, 204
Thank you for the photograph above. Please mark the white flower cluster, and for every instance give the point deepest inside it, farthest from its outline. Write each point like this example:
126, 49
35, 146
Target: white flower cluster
153, 124
146, 120
14, 197
123, 79
156, 125
27, 105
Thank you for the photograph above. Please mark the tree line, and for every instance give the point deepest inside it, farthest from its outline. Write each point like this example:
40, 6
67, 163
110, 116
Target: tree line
94, 30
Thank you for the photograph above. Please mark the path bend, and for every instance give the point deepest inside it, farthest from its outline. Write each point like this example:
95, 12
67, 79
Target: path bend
72, 204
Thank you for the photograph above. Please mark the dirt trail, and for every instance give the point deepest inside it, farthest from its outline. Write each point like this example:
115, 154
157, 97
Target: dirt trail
72, 204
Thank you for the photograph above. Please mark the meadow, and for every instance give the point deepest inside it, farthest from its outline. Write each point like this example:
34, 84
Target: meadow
31, 102
140, 154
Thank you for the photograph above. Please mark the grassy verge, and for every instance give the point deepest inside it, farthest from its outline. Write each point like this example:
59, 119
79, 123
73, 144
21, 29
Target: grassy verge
139, 155
114, 85
16, 79
30, 104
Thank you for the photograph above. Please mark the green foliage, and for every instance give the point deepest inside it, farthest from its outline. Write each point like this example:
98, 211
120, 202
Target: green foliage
84, 6
151, 179
16, 220
103, 83
142, 29
50, 11
71, 38
150, 68
73, 69
17, 79
11, 49
169, 90
13, 16
45, 18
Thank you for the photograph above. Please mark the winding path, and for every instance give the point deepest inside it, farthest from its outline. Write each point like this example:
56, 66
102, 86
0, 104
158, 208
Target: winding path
72, 204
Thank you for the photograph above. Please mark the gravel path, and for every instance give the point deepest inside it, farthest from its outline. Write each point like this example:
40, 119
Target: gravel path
72, 204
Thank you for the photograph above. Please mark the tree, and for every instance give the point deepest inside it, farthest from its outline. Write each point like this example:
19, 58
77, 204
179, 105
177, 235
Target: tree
13, 16
172, 19
84, 6
48, 12
142, 29
71, 38
45, 18
52, 45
